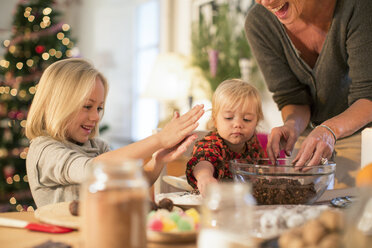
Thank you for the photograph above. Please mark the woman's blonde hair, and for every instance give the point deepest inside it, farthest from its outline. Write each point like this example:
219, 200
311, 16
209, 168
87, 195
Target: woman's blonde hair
236, 93
62, 91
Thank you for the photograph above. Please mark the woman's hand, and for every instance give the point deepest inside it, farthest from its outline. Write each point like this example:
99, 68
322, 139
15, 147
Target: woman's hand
180, 127
319, 144
283, 137
295, 118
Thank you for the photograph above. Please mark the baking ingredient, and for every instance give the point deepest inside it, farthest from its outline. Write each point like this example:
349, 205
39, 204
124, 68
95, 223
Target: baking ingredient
114, 206
282, 191
272, 222
331, 220
181, 198
114, 218
324, 232
313, 232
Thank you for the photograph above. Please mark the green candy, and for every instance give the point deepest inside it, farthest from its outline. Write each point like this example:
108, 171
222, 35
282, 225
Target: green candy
175, 217
184, 225
149, 215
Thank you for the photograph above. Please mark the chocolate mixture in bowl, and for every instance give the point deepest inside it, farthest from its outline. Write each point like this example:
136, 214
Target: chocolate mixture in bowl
282, 191
283, 183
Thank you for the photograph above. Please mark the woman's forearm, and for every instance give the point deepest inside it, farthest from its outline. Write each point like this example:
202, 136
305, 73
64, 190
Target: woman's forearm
352, 119
296, 116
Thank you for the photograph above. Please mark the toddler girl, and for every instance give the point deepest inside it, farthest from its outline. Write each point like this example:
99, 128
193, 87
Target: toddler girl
62, 126
236, 111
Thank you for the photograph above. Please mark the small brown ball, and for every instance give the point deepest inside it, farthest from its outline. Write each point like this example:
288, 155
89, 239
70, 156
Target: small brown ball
296, 242
313, 232
166, 203
332, 240
74, 208
332, 220
286, 238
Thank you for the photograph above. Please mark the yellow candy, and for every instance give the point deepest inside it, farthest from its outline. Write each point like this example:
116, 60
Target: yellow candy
168, 225
193, 213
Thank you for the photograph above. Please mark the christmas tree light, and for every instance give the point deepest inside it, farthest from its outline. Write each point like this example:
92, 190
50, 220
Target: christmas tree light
33, 46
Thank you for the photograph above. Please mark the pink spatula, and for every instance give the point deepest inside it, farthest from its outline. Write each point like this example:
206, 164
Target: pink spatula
40, 227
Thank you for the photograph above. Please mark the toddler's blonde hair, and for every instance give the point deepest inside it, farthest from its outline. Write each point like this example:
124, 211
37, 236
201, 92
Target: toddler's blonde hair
62, 91
236, 93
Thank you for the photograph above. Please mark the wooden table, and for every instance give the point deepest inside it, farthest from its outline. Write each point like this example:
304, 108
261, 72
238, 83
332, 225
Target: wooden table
22, 238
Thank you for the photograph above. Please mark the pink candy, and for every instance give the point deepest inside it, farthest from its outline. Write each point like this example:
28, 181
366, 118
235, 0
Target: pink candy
155, 225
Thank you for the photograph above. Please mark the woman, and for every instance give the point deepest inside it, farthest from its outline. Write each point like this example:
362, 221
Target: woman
316, 58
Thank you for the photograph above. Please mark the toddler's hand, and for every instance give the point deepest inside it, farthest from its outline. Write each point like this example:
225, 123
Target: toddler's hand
203, 182
180, 127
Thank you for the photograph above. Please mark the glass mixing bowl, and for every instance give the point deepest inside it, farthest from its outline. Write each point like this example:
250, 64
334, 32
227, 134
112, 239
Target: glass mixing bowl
283, 183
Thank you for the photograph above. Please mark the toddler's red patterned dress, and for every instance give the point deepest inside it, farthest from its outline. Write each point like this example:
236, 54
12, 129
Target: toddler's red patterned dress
212, 148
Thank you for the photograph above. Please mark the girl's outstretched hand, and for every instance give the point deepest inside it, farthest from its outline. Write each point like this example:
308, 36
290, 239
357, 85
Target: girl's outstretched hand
169, 154
180, 127
165, 155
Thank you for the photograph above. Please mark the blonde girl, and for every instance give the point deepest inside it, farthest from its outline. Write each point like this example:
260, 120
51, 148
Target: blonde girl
62, 127
236, 111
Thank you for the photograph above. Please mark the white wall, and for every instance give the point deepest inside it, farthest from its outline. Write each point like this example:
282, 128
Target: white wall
107, 40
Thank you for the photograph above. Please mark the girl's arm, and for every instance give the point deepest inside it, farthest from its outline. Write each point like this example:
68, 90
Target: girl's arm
203, 172
153, 168
173, 133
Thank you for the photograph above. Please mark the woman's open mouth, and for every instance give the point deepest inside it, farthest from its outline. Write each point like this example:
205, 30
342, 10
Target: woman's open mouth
281, 10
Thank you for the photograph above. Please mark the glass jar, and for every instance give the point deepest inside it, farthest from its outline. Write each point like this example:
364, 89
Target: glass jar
227, 216
114, 204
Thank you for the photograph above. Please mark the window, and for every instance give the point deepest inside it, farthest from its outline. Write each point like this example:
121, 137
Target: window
145, 111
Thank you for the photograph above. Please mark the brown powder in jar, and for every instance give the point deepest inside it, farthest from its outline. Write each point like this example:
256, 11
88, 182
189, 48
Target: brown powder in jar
115, 218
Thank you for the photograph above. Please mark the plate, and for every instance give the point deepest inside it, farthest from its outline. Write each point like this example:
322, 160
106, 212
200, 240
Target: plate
57, 214
171, 237
177, 182
184, 200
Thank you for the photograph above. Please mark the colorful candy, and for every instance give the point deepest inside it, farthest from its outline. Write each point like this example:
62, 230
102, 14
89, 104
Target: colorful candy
156, 225
174, 221
193, 214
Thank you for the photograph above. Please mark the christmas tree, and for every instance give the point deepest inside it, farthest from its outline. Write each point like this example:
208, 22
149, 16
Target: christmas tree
38, 39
